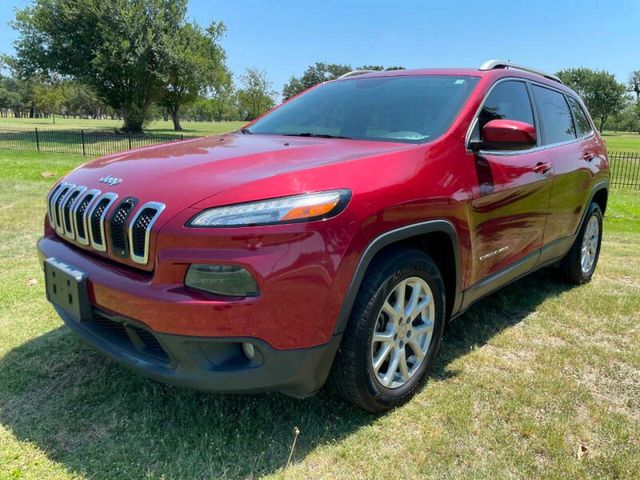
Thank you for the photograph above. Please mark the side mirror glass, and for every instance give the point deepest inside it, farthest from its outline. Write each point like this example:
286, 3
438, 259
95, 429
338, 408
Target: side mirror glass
508, 135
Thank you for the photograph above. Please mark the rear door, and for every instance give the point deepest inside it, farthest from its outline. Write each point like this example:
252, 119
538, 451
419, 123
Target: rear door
510, 196
568, 138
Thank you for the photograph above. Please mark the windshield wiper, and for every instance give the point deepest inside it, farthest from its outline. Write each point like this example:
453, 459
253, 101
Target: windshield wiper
318, 135
246, 131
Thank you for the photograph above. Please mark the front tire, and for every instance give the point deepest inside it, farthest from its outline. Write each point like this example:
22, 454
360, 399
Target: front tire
580, 263
394, 331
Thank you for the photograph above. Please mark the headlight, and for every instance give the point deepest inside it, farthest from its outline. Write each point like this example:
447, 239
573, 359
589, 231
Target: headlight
297, 208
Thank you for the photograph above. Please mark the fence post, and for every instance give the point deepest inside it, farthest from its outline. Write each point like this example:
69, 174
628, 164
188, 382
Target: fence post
83, 147
129, 133
37, 140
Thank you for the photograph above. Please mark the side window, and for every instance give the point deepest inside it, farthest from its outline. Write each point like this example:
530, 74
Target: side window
507, 101
582, 122
555, 116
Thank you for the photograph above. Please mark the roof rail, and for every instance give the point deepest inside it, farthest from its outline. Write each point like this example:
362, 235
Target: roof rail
353, 73
494, 64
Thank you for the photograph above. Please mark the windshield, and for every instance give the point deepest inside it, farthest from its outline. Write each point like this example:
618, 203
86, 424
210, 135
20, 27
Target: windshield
402, 108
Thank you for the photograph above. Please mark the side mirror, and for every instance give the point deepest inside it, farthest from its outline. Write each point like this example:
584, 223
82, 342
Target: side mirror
508, 135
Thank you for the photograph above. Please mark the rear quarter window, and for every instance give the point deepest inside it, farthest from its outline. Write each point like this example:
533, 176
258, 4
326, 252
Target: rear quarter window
583, 126
555, 115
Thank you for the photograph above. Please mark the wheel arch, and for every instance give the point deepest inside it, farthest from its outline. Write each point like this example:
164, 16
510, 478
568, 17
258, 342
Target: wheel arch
438, 238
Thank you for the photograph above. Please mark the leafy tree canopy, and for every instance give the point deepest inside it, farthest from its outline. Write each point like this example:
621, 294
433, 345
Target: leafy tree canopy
601, 92
256, 95
126, 50
322, 72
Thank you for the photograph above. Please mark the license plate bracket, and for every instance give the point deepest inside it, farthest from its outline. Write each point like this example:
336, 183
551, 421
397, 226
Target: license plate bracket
67, 289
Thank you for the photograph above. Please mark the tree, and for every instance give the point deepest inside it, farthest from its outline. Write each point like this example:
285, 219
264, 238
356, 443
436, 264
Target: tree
195, 66
48, 97
601, 92
256, 95
114, 46
634, 84
322, 72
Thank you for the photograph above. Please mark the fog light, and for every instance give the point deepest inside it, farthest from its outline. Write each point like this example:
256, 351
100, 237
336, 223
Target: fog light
249, 350
229, 280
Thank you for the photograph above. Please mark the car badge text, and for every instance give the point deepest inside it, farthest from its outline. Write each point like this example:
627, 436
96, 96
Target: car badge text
110, 180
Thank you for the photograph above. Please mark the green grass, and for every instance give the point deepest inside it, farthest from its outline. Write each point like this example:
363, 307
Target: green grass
622, 142
191, 128
522, 381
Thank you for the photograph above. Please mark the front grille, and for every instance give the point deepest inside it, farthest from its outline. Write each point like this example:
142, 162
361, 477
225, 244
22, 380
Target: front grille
80, 216
119, 227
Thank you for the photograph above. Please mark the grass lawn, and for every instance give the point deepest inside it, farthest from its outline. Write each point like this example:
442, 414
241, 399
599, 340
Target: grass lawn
622, 142
190, 128
540, 380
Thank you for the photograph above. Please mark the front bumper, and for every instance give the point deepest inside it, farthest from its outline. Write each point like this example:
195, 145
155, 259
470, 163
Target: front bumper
206, 363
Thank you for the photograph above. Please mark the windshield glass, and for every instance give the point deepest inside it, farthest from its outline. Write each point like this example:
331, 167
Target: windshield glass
402, 108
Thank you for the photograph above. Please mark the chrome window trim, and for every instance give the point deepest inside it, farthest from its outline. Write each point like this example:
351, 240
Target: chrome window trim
145, 258
529, 150
112, 198
59, 218
96, 193
70, 233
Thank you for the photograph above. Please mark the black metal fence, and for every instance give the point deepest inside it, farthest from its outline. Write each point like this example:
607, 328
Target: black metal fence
625, 166
79, 141
625, 170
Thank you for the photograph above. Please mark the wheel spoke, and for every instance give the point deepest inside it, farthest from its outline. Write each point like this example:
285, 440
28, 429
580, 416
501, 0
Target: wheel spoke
411, 308
392, 369
383, 337
416, 349
404, 369
392, 311
381, 356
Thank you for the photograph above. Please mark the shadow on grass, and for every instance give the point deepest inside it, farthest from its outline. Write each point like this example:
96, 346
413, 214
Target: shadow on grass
101, 420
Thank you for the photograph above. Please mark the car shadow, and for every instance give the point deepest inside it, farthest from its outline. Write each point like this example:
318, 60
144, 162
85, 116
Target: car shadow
98, 419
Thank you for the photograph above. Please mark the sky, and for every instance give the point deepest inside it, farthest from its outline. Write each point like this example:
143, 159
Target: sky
283, 37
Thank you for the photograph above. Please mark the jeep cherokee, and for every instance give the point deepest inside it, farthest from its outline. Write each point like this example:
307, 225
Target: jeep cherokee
332, 238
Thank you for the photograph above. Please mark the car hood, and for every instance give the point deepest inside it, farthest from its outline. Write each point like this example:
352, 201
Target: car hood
188, 172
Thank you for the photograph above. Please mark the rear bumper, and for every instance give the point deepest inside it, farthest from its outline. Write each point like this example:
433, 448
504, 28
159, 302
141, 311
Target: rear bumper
205, 363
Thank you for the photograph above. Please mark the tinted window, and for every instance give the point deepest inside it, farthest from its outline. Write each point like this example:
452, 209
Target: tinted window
508, 100
555, 116
402, 108
582, 122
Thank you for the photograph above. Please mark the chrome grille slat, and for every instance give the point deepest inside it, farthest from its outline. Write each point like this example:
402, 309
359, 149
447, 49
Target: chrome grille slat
61, 198
118, 224
140, 228
96, 221
67, 222
79, 213
50, 202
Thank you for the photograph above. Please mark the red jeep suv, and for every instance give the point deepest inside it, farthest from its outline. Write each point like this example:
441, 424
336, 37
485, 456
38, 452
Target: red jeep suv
332, 238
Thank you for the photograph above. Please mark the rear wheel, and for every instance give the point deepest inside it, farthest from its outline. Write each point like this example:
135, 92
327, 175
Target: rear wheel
580, 263
393, 333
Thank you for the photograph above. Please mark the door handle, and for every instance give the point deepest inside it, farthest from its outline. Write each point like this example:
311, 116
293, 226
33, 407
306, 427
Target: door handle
543, 168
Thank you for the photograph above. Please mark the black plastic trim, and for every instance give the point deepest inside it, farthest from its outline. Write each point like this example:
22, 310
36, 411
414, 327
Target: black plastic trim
297, 372
386, 239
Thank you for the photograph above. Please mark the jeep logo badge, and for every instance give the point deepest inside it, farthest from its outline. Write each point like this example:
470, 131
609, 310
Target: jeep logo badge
112, 181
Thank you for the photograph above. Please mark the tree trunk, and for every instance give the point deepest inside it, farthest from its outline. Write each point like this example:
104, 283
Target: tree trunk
175, 116
602, 120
